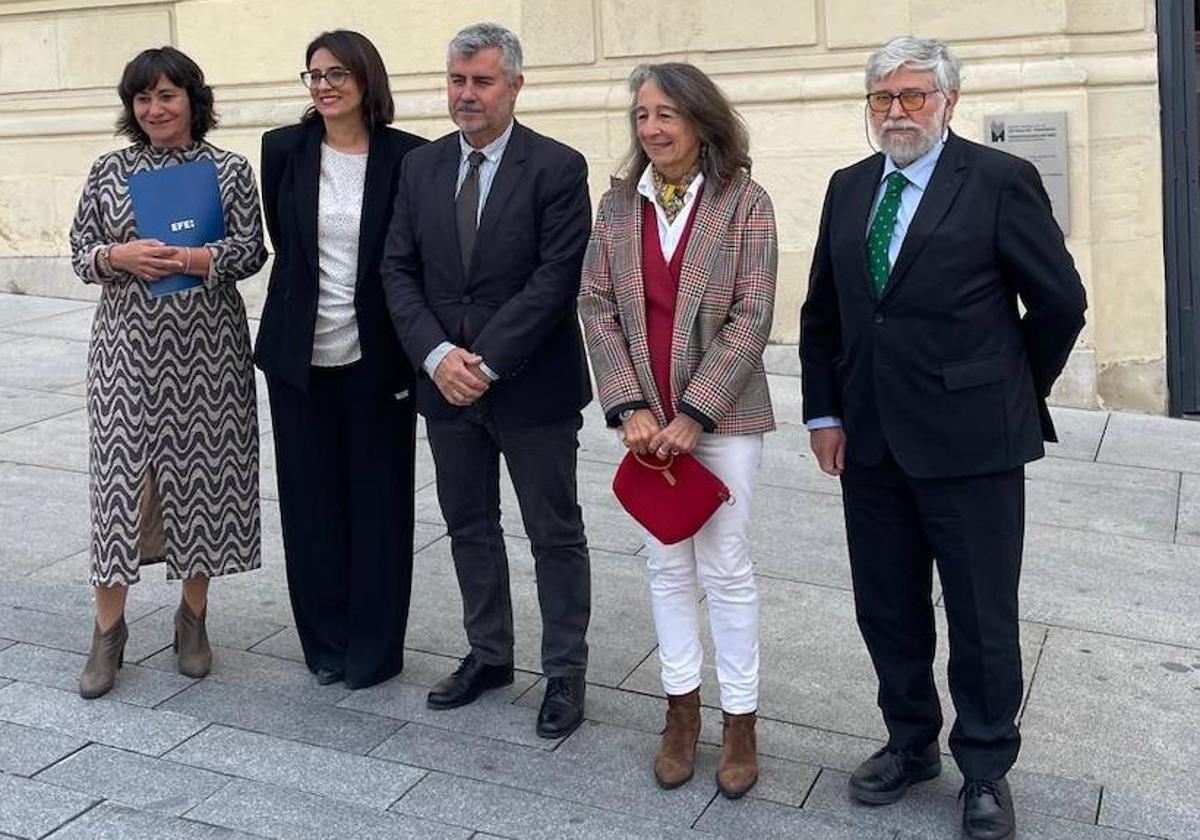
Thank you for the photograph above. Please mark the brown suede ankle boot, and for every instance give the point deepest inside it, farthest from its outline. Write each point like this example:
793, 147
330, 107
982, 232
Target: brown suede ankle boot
107, 655
676, 759
191, 641
738, 770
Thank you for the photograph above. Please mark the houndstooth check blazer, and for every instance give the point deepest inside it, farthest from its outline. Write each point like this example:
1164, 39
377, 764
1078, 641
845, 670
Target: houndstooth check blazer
723, 310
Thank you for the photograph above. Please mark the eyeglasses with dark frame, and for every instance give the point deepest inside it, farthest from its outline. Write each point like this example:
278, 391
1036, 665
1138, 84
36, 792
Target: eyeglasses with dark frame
336, 76
880, 101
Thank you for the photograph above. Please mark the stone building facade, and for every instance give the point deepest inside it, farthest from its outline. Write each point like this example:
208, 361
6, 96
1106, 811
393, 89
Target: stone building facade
793, 68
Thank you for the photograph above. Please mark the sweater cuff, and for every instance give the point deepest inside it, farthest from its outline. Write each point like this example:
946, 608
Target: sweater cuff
612, 417
699, 416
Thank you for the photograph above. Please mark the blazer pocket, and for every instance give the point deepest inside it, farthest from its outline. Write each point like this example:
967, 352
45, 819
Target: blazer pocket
969, 374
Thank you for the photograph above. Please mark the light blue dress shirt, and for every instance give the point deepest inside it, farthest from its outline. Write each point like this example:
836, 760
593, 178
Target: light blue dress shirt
918, 174
492, 154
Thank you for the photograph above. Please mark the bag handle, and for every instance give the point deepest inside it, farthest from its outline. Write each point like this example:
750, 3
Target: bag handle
657, 467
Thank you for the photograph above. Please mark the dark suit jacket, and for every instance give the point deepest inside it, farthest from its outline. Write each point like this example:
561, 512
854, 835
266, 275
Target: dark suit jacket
943, 370
515, 304
291, 166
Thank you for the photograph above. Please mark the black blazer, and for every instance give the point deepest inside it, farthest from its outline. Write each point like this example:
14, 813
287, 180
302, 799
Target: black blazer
515, 304
944, 370
291, 167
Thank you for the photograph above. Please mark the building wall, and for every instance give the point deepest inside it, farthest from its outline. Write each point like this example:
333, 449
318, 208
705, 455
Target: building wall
793, 68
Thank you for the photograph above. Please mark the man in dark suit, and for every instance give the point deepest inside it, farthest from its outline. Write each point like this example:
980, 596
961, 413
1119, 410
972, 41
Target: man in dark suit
924, 389
481, 271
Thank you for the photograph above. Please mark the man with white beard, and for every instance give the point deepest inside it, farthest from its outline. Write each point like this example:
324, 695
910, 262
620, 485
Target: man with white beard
924, 390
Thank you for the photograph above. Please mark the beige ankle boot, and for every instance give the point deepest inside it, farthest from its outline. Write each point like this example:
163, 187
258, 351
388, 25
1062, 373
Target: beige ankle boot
191, 641
738, 770
106, 656
676, 759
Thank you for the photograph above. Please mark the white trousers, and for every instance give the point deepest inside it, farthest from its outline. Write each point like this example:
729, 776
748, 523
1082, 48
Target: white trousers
717, 558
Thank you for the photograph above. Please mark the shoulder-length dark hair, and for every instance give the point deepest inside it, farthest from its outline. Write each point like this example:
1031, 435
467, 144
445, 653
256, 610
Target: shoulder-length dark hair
144, 71
724, 141
358, 55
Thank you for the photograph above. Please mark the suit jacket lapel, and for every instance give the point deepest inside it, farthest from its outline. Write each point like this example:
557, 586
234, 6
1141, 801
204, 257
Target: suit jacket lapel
628, 281
512, 164
704, 244
308, 180
445, 181
375, 199
943, 186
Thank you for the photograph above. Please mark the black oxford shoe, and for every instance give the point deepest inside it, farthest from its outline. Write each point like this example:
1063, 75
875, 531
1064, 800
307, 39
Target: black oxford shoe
988, 810
562, 707
885, 776
470, 679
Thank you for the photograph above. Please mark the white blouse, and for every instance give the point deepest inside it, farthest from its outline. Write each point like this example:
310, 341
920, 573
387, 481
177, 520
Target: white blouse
339, 211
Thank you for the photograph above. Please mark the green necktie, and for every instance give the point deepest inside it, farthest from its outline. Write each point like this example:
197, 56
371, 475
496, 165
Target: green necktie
880, 236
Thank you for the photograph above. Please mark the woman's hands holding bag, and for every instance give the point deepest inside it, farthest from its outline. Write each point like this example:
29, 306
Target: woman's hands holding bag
639, 430
680, 436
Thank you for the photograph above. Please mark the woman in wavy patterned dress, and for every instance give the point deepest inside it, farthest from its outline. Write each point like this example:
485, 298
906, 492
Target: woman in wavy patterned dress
173, 434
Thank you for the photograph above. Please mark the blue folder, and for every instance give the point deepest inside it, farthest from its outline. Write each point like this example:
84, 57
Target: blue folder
179, 205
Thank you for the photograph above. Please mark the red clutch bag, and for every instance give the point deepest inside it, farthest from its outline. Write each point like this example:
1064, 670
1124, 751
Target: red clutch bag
671, 499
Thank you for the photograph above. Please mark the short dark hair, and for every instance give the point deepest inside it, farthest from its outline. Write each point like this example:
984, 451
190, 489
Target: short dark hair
144, 71
359, 56
724, 140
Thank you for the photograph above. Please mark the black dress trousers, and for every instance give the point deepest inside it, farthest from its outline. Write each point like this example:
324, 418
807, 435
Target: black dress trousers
896, 526
344, 453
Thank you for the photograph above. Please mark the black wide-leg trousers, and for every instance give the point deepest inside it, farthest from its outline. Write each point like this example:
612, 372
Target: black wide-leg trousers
344, 453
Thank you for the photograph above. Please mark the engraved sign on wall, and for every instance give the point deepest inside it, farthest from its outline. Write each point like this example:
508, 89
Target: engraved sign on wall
1042, 140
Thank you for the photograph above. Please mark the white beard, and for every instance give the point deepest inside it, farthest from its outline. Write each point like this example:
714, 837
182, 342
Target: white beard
904, 148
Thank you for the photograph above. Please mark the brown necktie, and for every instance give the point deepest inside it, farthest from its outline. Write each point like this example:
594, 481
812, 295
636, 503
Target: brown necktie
466, 209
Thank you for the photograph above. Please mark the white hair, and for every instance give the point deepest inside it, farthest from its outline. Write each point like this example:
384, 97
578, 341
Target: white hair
481, 36
920, 54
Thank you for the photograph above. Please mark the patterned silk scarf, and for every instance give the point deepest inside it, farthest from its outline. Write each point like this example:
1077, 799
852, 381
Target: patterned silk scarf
670, 197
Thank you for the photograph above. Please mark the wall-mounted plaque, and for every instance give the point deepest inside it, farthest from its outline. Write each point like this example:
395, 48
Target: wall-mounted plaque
1042, 140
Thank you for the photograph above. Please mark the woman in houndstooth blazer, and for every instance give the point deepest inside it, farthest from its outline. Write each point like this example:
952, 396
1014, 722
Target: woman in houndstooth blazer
676, 298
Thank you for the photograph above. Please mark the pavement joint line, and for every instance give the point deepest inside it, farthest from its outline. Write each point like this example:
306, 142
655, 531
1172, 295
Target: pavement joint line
812, 786
1033, 675
58, 392
96, 804
44, 466
47, 418
61, 759
424, 775
635, 668
704, 810
1103, 433
1111, 635
1178, 508
1099, 805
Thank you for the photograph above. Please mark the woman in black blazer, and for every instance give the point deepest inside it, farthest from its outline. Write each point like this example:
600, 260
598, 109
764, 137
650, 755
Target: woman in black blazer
339, 383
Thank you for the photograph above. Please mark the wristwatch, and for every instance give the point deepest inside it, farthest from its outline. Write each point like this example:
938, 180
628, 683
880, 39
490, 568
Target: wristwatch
626, 414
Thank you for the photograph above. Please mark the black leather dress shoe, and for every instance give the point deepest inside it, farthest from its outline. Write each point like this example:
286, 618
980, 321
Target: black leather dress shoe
328, 676
562, 707
470, 679
988, 810
885, 776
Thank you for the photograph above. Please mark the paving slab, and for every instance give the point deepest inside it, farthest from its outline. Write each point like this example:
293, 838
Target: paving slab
930, 815
1177, 818
1111, 584
61, 669
110, 821
800, 536
788, 462
39, 628
68, 599
620, 610
292, 815
599, 765
748, 817
148, 784
260, 672
370, 782
43, 363
1116, 711
284, 645
24, 751
21, 309
1142, 440
33, 809
45, 517
147, 731
520, 814
1080, 432
1103, 498
403, 701
21, 406
323, 726
75, 325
